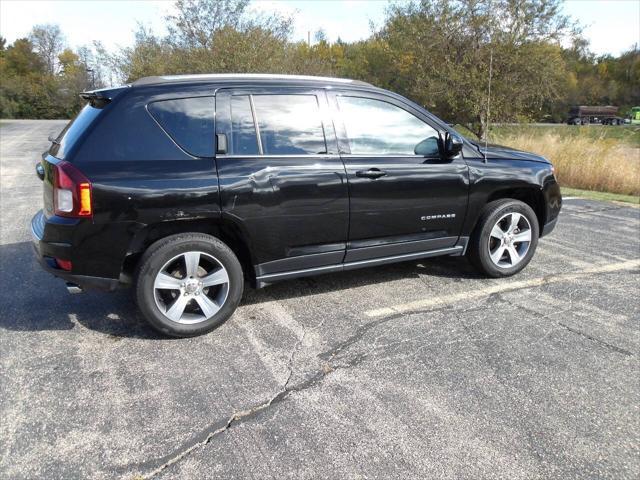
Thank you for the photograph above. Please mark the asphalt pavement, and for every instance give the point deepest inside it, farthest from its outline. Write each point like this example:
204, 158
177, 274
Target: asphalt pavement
416, 370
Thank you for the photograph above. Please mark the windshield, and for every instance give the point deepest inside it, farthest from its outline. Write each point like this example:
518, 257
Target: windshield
74, 129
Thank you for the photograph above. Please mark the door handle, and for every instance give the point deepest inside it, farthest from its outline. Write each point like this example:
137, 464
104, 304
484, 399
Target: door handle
371, 173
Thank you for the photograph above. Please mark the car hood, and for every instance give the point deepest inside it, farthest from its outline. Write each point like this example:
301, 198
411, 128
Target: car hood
499, 151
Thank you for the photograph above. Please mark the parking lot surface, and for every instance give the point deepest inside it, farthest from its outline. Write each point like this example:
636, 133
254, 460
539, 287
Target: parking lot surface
417, 370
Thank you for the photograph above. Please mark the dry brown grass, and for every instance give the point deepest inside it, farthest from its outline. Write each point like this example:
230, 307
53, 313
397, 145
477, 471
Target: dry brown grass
601, 164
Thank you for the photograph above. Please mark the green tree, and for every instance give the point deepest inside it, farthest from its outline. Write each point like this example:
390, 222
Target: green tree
23, 91
21, 60
443, 52
208, 36
197, 21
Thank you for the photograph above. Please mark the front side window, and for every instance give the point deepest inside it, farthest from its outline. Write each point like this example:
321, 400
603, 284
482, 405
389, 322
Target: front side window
188, 121
375, 127
289, 124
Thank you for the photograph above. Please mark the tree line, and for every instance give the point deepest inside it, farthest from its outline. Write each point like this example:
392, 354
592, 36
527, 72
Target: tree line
444, 54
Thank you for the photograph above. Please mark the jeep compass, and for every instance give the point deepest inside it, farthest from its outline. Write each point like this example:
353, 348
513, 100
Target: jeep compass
186, 187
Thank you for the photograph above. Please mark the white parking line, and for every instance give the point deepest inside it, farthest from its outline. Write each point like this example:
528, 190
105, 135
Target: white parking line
505, 286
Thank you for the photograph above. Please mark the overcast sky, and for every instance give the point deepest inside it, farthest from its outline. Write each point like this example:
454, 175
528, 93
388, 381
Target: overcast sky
612, 26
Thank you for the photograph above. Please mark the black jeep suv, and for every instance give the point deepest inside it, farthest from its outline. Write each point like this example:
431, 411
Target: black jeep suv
186, 186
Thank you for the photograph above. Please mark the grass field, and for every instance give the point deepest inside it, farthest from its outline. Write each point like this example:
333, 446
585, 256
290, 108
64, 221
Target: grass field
595, 157
590, 194
627, 134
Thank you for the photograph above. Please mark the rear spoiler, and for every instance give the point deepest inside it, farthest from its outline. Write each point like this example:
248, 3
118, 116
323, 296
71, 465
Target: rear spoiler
95, 99
102, 97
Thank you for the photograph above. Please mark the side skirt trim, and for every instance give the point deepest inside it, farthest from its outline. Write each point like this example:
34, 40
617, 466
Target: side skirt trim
264, 280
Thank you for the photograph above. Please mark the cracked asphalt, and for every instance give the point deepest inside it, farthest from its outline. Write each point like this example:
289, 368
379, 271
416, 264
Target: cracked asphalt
416, 370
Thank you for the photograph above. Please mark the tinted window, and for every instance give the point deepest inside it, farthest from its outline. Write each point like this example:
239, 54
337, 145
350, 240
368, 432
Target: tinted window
243, 131
377, 127
189, 122
73, 130
289, 124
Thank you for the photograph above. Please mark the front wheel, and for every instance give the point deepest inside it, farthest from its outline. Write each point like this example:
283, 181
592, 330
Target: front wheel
188, 284
505, 238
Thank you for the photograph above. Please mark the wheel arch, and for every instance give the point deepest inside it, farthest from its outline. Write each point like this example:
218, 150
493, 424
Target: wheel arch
226, 230
531, 195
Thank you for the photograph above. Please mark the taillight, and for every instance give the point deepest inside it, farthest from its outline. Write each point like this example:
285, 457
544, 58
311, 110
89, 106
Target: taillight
64, 264
71, 192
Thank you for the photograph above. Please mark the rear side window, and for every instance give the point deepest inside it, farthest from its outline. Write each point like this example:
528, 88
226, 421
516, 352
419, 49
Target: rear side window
244, 140
189, 122
73, 130
289, 124
276, 125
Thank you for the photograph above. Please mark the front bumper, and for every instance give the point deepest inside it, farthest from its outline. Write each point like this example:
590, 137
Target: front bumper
46, 252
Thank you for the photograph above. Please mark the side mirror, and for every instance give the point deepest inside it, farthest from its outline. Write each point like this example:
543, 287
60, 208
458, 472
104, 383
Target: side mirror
452, 144
427, 147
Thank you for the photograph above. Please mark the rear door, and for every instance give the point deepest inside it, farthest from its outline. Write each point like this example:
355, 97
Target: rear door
401, 201
282, 181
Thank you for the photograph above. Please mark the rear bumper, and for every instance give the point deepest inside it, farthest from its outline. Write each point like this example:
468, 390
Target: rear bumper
46, 252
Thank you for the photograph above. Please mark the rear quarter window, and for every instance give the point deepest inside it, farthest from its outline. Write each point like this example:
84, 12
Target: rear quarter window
72, 132
189, 122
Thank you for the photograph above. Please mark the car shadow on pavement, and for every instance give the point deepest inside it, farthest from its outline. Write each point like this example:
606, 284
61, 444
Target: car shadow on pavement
33, 300
455, 268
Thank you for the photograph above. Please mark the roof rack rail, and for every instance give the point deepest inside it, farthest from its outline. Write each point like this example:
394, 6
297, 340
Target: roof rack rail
212, 77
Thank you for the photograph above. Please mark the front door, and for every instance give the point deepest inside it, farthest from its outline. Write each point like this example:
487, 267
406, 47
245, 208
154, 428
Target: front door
404, 198
282, 182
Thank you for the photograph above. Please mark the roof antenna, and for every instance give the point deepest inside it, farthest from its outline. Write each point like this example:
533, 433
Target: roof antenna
486, 132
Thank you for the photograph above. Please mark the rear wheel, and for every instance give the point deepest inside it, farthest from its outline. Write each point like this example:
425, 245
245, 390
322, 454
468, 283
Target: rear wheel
505, 238
188, 284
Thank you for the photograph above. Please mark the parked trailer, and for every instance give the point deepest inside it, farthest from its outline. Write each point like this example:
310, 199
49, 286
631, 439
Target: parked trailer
584, 115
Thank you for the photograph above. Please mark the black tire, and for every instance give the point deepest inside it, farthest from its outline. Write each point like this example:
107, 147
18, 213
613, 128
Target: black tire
161, 252
479, 249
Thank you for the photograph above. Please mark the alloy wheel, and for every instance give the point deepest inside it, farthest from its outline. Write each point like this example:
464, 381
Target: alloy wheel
191, 287
509, 240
